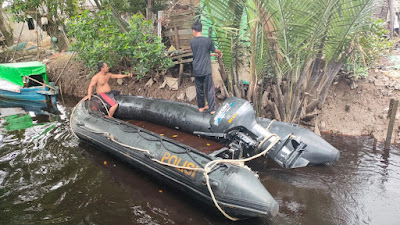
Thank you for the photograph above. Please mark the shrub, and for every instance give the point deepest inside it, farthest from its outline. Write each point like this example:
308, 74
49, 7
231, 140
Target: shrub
98, 37
368, 47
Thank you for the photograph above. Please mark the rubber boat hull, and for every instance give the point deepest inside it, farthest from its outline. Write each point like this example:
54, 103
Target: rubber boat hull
187, 118
237, 190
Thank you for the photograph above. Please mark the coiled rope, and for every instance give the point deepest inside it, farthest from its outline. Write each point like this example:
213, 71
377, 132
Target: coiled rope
207, 168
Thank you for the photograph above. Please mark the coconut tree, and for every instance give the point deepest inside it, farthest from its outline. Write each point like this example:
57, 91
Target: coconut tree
295, 48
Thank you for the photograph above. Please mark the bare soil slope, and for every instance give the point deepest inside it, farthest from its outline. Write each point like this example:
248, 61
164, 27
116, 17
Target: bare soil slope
361, 110
75, 81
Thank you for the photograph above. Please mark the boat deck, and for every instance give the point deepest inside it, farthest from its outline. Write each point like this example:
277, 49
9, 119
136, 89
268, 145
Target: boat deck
202, 144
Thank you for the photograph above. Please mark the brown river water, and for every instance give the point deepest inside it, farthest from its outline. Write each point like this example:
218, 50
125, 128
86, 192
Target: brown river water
47, 176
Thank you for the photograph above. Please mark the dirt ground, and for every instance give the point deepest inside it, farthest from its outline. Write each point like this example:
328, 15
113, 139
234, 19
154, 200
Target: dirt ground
75, 81
359, 111
362, 108
359, 108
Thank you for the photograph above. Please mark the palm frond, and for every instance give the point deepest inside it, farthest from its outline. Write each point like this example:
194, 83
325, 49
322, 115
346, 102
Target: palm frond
349, 17
225, 18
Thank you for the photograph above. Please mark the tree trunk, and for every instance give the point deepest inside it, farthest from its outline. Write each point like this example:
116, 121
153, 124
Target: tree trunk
149, 12
331, 71
98, 4
256, 96
392, 17
52, 30
277, 92
121, 23
253, 63
299, 89
6, 30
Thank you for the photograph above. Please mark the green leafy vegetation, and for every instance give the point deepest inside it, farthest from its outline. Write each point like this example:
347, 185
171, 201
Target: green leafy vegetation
56, 12
370, 44
55, 9
98, 38
133, 6
296, 48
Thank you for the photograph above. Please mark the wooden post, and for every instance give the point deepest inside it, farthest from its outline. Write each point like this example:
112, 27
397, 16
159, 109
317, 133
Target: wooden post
393, 111
61, 93
180, 74
176, 38
160, 16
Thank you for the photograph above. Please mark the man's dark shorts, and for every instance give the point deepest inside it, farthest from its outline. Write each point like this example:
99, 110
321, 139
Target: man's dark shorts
108, 98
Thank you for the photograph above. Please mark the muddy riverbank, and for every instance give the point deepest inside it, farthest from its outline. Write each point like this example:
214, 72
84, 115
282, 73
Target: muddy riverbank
351, 108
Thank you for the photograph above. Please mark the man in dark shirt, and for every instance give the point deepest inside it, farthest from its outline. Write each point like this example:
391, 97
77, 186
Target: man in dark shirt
201, 48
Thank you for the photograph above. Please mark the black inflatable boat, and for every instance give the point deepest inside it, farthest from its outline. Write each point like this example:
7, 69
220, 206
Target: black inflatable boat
235, 125
218, 179
235, 190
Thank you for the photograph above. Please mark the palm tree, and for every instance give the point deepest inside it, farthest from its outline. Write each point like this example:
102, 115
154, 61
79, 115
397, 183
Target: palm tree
295, 48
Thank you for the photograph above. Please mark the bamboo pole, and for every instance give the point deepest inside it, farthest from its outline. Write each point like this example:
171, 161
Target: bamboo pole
58, 77
44, 84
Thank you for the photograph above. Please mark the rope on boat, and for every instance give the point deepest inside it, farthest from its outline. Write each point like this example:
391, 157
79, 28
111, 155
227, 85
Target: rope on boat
269, 125
74, 109
207, 168
111, 137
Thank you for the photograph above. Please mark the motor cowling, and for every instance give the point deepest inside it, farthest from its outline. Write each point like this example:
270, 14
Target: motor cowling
234, 112
236, 119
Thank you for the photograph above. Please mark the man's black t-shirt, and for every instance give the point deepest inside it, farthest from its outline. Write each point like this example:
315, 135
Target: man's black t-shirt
201, 47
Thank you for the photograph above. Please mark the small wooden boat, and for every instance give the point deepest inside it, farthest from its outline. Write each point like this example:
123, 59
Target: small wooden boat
38, 108
26, 81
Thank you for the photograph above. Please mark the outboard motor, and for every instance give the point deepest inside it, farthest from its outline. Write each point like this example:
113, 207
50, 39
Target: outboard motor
235, 121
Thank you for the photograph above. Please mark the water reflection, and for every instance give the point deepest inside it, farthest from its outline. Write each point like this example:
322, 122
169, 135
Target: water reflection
18, 122
49, 177
28, 162
360, 189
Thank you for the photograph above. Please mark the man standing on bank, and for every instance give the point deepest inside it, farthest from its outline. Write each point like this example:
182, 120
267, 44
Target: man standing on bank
103, 89
201, 48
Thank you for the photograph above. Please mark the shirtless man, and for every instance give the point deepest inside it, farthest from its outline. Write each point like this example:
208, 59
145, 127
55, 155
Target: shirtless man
103, 89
